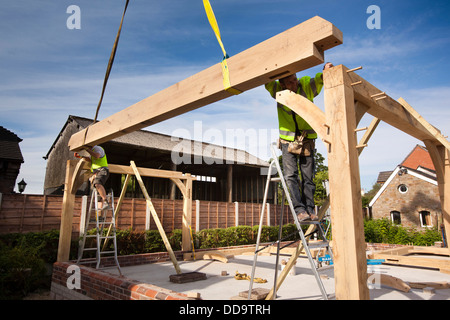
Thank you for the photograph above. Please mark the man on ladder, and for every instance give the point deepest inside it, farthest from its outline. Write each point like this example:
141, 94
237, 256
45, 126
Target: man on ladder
99, 168
297, 142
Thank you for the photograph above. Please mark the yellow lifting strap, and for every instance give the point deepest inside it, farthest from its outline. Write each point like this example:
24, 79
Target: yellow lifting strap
226, 75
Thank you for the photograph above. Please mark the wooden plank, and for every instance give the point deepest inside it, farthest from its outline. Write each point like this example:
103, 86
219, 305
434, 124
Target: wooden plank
186, 242
435, 285
423, 261
155, 218
117, 208
390, 281
294, 50
345, 188
147, 172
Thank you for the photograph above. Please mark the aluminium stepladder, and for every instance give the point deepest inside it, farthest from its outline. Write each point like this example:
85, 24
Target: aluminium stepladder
103, 218
307, 247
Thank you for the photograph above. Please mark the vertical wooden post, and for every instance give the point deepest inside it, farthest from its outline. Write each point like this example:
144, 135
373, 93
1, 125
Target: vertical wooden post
229, 183
173, 186
155, 218
197, 215
83, 214
65, 232
446, 201
236, 213
345, 188
187, 215
441, 161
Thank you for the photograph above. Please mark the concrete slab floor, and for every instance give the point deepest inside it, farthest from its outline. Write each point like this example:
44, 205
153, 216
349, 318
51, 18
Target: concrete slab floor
299, 286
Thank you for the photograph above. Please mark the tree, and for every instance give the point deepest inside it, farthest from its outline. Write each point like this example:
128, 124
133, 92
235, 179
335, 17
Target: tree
370, 194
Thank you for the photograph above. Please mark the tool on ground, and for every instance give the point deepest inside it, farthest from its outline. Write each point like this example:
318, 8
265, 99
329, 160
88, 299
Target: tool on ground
244, 276
323, 244
105, 217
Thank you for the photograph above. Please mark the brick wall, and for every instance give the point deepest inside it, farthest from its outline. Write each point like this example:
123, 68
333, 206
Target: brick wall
97, 285
421, 196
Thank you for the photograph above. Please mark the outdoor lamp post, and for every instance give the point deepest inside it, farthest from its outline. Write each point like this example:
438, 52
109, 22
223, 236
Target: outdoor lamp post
22, 184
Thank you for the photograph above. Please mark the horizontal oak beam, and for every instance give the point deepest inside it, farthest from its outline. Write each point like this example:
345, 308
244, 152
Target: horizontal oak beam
294, 50
379, 104
145, 172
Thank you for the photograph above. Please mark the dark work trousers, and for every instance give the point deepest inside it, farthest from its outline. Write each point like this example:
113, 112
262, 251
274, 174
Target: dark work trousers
301, 191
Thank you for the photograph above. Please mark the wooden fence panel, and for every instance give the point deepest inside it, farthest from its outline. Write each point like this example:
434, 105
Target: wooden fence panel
32, 213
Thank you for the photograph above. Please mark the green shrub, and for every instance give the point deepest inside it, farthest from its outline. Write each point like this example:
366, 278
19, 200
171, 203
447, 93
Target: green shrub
384, 231
21, 270
153, 242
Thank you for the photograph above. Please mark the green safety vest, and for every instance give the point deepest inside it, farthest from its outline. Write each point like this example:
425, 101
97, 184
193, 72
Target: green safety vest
308, 88
97, 163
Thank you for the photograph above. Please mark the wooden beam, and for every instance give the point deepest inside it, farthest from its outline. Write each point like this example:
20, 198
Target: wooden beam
117, 208
431, 129
440, 156
386, 109
186, 243
306, 109
146, 172
368, 134
390, 281
345, 187
155, 218
296, 49
446, 201
65, 231
78, 176
373, 125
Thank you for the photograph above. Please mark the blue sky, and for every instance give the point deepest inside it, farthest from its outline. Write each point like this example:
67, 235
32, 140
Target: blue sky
49, 71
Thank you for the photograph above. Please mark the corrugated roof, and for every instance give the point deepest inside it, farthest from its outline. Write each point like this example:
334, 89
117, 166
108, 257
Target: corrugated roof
154, 140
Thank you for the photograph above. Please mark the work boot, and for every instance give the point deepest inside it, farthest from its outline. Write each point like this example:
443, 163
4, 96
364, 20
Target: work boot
105, 205
314, 217
303, 216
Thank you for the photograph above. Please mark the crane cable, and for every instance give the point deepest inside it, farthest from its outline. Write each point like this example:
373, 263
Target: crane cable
111, 61
108, 70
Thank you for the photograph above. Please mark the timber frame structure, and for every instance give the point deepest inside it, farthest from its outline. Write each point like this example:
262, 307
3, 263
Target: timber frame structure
347, 98
77, 172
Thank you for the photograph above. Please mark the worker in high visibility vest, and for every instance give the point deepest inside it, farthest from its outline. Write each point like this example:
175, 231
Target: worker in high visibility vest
297, 142
99, 168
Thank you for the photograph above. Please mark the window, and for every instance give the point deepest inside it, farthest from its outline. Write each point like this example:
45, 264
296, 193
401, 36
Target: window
402, 188
395, 217
425, 219
206, 178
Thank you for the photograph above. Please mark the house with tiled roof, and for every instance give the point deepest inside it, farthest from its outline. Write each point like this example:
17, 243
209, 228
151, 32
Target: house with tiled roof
409, 195
10, 160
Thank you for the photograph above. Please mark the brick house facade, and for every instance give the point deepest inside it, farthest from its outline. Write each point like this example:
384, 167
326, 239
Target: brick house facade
410, 195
